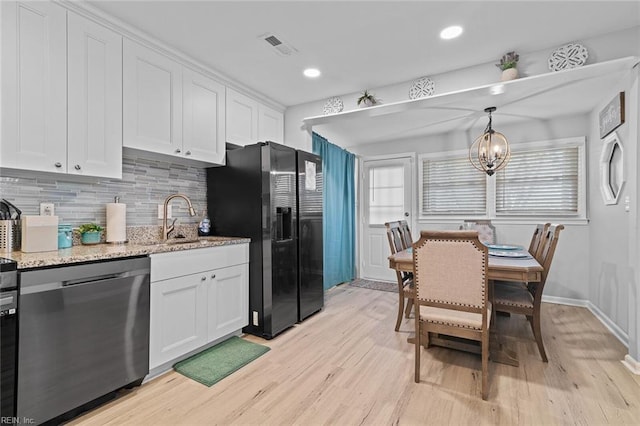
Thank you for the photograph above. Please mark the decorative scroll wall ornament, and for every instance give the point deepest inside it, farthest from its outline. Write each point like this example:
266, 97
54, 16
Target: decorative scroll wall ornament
569, 56
612, 115
611, 169
333, 105
421, 88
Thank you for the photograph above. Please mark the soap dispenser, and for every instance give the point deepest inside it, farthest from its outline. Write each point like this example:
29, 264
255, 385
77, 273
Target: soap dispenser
204, 227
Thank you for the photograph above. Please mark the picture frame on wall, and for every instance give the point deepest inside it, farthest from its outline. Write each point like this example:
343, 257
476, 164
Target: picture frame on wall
612, 115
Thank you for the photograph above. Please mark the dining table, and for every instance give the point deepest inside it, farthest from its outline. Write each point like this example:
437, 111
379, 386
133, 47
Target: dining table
503, 265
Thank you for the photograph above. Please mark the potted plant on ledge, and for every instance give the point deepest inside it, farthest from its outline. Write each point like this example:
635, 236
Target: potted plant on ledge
367, 99
508, 65
90, 233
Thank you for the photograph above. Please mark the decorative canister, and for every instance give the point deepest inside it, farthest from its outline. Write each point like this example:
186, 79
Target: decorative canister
65, 236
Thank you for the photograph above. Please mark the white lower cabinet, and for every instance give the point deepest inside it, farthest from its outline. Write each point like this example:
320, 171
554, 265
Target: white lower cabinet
197, 296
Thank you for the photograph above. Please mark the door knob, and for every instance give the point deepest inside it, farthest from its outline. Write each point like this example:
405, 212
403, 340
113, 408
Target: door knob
178, 151
58, 164
203, 278
188, 153
213, 277
406, 214
77, 167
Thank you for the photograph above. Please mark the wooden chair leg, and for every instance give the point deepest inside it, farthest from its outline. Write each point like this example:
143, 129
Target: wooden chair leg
485, 365
407, 311
400, 307
537, 333
417, 347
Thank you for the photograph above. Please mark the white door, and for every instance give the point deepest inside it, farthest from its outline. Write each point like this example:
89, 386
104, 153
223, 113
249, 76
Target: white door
94, 99
178, 317
242, 118
151, 100
204, 118
34, 86
386, 188
228, 295
270, 124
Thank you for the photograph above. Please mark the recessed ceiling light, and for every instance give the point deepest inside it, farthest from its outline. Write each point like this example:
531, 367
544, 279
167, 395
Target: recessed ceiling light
451, 32
311, 72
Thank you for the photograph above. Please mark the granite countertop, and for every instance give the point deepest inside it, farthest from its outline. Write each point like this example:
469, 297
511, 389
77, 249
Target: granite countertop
88, 253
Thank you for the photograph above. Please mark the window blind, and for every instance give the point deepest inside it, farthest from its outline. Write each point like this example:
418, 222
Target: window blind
542, 181
451, 185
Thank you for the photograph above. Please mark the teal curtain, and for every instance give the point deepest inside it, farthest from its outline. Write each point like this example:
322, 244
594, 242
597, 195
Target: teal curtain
338, 167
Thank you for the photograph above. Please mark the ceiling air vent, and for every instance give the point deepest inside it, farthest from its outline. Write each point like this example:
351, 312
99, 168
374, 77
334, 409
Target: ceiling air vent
281, 47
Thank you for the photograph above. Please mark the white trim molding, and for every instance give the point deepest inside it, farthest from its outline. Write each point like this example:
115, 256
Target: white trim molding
631, 364
619, 333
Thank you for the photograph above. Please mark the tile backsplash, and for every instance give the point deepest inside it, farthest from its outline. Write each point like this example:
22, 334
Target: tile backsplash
145, 184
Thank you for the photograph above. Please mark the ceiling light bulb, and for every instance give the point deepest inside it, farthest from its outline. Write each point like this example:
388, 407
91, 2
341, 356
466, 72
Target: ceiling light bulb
311, 72
451, 32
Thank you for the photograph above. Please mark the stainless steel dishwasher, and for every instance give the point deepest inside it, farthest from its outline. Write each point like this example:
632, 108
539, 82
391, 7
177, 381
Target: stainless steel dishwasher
84, 332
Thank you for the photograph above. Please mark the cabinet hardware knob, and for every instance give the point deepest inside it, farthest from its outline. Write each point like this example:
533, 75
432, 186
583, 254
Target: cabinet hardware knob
188, 153
178, 151
77, 167
58, 164
203, 278
213, 277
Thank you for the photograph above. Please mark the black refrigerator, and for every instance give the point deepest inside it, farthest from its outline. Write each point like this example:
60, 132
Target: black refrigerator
272, 194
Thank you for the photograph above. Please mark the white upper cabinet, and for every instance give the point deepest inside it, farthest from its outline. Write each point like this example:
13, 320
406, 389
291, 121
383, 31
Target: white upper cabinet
242, 118
47, 58
249, 121
204, 117
34, 86
152, 100
95, 99
270, 124
170, 109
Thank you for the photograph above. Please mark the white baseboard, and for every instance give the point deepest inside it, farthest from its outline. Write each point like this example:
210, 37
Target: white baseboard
631, 364
601, 316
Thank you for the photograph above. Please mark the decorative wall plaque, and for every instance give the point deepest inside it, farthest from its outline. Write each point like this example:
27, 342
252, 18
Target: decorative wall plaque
569, 56
333, 106
421, 88
612, 115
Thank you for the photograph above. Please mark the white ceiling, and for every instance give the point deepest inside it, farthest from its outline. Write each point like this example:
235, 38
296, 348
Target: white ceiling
361, 44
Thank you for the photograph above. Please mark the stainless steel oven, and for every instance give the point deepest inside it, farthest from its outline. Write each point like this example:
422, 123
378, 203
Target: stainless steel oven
8, 339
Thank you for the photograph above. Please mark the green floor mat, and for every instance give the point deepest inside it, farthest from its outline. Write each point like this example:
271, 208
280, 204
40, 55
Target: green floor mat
214, 364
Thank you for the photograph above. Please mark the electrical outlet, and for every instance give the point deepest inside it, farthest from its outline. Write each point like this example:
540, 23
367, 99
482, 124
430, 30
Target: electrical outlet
161, 211
47, 209
255, 318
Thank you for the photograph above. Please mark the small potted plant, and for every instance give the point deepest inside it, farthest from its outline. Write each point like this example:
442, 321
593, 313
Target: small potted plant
90, 233
508, 64
367, 99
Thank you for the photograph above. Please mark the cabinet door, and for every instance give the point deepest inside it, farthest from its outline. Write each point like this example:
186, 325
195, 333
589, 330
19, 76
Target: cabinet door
204, 117
178, 317
95, 99
228, 296
270, 124
34, 90
152, 100
242, 119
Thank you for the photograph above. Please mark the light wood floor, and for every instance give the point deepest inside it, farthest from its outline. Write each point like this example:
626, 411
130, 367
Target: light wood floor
346, 366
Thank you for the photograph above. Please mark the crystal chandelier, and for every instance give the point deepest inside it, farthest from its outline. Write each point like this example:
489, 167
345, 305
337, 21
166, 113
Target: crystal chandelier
490, 151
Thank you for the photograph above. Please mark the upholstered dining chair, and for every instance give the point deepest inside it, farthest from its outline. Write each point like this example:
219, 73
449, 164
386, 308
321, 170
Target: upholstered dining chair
526, 300
486, 230
450, 278
399, 236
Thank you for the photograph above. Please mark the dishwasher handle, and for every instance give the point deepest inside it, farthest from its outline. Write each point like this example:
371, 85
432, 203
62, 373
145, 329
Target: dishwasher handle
93, 280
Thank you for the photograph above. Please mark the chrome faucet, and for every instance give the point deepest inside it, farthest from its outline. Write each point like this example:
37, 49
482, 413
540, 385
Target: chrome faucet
166, 230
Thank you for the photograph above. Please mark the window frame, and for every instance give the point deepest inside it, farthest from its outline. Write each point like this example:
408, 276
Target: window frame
580, 217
